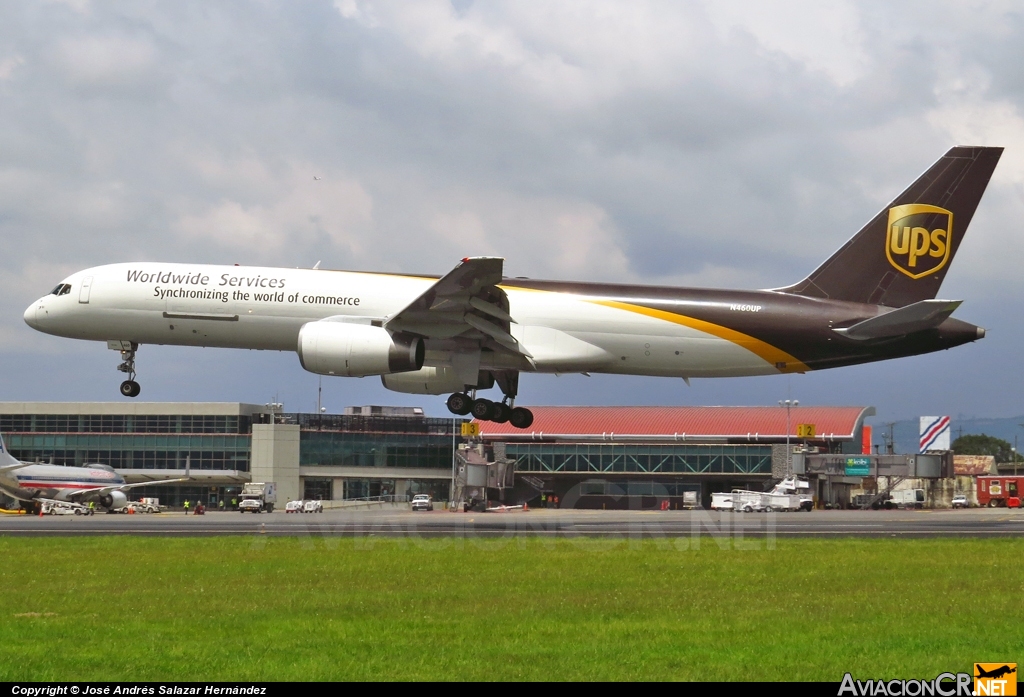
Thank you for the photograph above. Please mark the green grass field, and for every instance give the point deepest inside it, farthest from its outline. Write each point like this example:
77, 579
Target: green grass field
234, 608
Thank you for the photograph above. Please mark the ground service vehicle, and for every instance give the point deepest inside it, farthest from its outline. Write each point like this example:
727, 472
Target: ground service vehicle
747, 501
788, 495
422, 502
258, 497
148, 504
61, 508
906, 498
142, 507
293, 507
960, 501
721, 501
313, 507
998, 491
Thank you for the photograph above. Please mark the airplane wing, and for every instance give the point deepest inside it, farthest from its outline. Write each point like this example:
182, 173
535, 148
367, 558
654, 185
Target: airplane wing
464, 303
100, 490
912, 318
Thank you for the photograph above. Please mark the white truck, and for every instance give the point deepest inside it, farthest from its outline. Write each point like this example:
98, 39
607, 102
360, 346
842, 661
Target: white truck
721, 501
906, 498
790, 494
258, 497
747, 501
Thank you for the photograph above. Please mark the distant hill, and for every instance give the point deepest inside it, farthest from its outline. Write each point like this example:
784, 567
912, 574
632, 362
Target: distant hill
905, 432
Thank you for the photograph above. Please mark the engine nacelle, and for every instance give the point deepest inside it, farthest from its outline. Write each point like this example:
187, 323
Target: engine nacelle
114, 500
430, 380
356, 350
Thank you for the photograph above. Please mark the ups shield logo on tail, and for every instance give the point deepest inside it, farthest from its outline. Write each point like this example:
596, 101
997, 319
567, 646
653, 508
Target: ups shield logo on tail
917, 239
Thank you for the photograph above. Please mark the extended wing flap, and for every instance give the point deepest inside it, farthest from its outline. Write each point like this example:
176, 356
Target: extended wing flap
466, 301
905, 320
452, 292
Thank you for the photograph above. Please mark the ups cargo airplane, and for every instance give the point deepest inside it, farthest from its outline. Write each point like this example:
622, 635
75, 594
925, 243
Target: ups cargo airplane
872, 300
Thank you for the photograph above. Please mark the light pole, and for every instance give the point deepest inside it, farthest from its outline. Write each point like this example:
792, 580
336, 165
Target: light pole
1015, 449
788, 403
890, 445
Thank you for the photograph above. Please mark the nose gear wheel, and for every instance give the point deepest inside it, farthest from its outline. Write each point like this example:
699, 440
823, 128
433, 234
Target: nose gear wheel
129, 388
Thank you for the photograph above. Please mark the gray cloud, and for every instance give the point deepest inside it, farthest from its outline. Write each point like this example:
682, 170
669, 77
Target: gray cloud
704, 143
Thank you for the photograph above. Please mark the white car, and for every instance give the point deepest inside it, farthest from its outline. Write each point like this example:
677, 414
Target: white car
960, 501
140, 507
293, 507
313, 507
422, 502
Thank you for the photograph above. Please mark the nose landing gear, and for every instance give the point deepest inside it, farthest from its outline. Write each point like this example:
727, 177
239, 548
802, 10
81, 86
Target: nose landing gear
129, 388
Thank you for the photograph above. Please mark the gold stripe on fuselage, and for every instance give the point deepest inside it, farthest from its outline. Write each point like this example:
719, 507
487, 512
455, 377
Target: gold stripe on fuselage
774, 356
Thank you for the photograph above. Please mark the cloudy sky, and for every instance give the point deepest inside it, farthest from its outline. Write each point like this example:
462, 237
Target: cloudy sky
719, 143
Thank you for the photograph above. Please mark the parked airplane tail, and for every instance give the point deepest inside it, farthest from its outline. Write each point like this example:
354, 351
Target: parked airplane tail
902, 255
5, 457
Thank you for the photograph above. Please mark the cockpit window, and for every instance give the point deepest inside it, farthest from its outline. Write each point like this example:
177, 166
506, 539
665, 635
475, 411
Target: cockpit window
62, 289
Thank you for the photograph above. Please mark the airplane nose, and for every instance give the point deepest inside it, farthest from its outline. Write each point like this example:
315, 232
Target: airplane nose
30, 315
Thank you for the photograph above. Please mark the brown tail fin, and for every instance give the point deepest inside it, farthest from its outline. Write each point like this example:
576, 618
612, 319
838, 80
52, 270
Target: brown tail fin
902, 255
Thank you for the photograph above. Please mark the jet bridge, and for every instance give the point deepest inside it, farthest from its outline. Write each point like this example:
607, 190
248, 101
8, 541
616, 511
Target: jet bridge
481, 475
933, 465
835, 476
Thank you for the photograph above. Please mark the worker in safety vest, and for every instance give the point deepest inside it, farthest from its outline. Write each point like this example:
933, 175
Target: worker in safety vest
92, 507
186, 506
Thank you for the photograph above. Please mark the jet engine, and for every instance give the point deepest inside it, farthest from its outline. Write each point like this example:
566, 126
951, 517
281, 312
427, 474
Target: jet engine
356, 350
114, 500
430, 380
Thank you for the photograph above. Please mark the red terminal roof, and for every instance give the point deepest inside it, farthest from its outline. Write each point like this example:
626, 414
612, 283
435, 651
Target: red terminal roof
755, 424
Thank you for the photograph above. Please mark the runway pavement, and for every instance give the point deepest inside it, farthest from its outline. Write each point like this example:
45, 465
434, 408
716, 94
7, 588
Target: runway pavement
544, 523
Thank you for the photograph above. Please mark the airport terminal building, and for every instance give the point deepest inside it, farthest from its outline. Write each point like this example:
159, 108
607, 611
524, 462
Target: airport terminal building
374, 451
384, 451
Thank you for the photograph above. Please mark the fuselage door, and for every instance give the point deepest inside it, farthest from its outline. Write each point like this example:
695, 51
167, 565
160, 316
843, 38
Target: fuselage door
83, 295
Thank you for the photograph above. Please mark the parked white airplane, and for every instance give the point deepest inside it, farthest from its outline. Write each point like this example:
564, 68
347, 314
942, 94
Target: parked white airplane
35, 484
872, 300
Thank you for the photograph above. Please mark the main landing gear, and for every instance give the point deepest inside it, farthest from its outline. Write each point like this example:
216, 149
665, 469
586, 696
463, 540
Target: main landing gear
499, 412
129, 388
486, 410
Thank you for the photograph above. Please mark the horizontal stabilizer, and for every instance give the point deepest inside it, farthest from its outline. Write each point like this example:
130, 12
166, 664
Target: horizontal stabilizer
906, 320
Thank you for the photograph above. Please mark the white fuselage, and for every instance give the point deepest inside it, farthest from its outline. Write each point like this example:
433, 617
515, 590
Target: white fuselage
56, 482
264, 308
